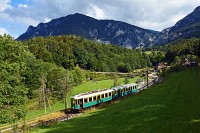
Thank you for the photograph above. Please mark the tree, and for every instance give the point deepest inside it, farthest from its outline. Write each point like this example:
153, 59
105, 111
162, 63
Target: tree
126, 81
115, 77
12, 89
79, 74
177, 60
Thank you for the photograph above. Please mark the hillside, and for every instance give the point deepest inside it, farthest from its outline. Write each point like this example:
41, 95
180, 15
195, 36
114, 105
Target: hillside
104, 31
171, 106
186, 28
68, 51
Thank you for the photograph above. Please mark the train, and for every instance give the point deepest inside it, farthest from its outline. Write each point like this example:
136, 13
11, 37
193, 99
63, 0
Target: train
93, 98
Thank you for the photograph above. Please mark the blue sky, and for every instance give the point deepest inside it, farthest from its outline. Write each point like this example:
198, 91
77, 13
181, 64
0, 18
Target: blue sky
17, 15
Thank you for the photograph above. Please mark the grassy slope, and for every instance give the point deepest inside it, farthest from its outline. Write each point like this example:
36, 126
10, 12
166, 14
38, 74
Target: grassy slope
88, 86
172, 106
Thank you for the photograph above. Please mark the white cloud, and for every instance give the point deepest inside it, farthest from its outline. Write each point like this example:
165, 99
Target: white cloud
149, 14
3, 31
96, 12
4, 5
47, 20
22, 6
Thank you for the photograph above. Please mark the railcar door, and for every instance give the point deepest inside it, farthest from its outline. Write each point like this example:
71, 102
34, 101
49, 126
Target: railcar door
119, 93
81, 103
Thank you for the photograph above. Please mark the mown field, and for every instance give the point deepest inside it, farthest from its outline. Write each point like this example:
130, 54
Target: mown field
171, 106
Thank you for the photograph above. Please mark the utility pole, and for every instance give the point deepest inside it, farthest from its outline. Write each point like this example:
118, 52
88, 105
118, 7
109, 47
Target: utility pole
66, 94
43, 93
197, 55
147, 78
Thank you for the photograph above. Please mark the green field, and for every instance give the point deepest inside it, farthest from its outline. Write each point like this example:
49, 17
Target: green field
89, 86
85, 87
171, 106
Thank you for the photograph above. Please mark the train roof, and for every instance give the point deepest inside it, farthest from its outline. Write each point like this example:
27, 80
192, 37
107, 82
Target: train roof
91, 94
117, 88
123, 86
128, 85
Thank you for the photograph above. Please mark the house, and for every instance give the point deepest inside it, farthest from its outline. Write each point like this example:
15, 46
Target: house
186, 62
161, 66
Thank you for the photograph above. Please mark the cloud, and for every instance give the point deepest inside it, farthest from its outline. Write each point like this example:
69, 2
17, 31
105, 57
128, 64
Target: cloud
4, 5
96, 12
149, 14
3, 31
22, 6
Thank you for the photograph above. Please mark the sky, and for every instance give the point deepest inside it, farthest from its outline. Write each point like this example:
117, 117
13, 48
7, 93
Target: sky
17, 15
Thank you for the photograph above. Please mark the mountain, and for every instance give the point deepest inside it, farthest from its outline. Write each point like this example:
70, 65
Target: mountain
186, 28
104, 31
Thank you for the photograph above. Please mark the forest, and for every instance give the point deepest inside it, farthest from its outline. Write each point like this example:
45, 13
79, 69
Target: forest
69, 51
29, 66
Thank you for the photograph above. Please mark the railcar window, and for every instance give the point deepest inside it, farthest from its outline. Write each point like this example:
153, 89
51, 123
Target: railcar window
85, 100
98, 97
106, 95
74, 101
90, 99
94, 98
102, 96
110, 94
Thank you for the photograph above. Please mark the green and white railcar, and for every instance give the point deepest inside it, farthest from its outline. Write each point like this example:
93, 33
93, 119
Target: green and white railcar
86, 100
130, 89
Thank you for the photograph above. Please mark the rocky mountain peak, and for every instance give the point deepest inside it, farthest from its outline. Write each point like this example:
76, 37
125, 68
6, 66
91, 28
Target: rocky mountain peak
187, 27
103, 31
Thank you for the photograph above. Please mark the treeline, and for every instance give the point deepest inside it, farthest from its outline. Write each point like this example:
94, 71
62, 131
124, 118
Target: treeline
20, 78
68, 51
178, 51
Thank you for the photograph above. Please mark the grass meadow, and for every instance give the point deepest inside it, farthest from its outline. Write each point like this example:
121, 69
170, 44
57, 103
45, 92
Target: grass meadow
169, 107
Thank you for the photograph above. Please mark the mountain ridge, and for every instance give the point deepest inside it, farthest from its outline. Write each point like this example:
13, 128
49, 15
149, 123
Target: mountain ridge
116, 32
185, 28
110, 31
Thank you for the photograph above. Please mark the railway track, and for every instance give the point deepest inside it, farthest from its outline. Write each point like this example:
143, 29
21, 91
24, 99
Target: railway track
40, 121
54, 117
